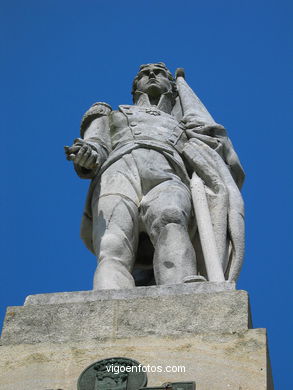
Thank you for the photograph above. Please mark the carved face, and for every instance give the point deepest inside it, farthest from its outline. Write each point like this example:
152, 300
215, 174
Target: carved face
153, 80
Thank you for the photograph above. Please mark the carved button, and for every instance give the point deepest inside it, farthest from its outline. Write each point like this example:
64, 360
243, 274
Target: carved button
137, 132
133, 124
129, 113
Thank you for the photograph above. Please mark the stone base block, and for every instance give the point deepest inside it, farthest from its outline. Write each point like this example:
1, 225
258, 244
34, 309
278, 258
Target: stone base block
236, 361
204, 334
188, 313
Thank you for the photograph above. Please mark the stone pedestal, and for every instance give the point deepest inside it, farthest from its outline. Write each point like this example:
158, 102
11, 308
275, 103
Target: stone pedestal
201, 329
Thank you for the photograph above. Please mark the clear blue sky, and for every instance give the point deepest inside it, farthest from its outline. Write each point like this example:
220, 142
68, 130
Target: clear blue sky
59, 57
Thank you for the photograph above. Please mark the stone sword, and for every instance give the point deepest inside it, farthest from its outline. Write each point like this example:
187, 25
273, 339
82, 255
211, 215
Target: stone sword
191, 105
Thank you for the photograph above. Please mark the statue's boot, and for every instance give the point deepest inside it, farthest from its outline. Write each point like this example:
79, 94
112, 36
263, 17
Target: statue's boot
112, 274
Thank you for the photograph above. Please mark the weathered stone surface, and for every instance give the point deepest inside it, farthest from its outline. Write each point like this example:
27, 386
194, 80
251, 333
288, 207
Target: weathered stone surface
191, 313
206, 334
131, 293
216, 361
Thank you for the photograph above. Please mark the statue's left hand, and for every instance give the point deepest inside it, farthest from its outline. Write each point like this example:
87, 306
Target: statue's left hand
82, 154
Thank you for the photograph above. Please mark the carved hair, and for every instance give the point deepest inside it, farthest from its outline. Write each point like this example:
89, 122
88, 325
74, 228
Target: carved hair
159, 65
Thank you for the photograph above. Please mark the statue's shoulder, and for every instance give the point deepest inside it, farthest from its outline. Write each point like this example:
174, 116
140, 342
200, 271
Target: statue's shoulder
99, 108
96, 110
127, 107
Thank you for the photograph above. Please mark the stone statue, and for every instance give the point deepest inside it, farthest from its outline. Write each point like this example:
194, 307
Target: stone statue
164, 194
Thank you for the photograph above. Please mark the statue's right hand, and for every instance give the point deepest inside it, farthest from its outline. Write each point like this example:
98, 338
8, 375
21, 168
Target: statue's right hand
82, 154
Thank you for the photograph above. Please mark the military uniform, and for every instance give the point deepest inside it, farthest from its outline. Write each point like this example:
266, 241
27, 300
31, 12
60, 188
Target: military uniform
142, 185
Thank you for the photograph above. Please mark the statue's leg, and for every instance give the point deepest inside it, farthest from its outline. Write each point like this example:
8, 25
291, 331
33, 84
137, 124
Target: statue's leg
115, 230
167, 209
115, 233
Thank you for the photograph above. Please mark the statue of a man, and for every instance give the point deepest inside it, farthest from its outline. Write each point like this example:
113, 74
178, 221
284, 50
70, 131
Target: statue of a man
141, 205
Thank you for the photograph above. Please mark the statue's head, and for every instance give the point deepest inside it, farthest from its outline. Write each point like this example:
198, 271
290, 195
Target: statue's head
155, 80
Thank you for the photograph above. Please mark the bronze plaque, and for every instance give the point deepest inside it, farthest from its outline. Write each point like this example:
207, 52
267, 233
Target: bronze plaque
116, 373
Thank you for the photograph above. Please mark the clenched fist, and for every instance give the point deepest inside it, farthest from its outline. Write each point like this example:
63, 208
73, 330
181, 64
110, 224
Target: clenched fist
82, 154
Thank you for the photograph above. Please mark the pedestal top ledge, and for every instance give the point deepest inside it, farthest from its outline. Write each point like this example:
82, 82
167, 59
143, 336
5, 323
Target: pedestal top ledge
182, 312
133, 293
